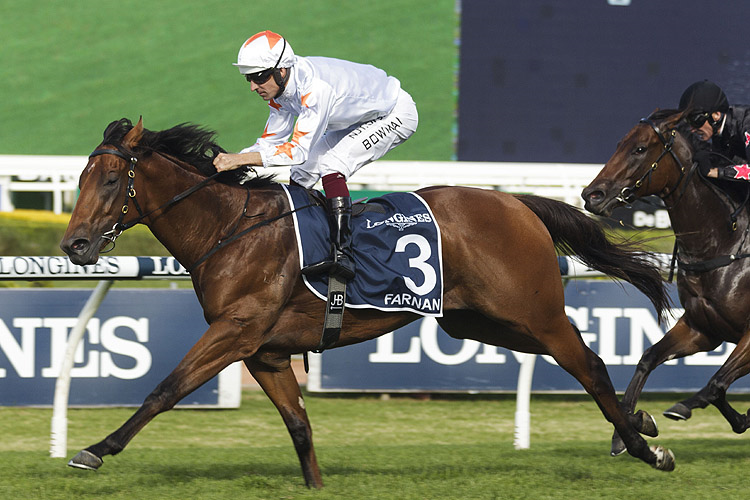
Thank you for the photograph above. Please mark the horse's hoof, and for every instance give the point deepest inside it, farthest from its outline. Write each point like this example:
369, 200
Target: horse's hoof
678, 412
85, 460
618, 446
647, 424
664, 458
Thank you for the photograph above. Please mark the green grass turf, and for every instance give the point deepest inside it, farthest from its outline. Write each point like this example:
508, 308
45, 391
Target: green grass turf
454, 447
69, 68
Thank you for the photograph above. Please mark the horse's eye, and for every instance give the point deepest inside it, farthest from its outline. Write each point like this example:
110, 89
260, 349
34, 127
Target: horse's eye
112, 178
639, 150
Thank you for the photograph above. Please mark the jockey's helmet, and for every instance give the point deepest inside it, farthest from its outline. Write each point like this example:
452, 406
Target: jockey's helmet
704, 96
263, 51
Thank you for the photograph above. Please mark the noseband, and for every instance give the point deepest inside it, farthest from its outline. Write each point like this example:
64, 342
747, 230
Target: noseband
627, 194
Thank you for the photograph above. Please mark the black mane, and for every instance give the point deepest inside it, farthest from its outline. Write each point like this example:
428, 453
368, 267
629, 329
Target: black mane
186, 142
676, 117
737, 191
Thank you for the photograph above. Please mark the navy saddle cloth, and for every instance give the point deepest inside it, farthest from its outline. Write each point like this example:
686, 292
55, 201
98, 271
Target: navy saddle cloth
396, 247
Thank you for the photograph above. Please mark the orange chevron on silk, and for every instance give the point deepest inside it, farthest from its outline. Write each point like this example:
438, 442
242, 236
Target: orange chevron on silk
286, 149
297, 135
273, 38
266, 134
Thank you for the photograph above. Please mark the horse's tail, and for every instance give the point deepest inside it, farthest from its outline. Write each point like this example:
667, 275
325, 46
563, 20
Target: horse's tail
575, 233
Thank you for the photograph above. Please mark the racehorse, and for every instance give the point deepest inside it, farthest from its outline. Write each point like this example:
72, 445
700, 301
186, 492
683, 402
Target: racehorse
710, 223
502, 283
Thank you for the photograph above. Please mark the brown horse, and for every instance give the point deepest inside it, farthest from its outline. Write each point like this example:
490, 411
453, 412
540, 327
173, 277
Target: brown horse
710, 223
502, 283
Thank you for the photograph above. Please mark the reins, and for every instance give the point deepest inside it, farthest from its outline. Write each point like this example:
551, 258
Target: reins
120, 227
226, 242
725, 198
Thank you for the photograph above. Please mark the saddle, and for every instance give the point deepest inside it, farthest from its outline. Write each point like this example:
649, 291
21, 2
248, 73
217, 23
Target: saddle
336, 297
396, 249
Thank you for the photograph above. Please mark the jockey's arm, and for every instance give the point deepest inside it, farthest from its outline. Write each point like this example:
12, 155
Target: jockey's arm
732, 173
739, 170
232, 161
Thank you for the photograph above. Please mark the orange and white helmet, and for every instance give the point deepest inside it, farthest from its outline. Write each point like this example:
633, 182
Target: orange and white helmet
262, 51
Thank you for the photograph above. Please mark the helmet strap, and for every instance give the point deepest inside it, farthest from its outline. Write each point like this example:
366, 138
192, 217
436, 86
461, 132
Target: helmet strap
280, 80
716, 124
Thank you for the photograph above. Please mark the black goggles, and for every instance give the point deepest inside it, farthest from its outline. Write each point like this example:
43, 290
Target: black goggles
260, 77
697, 120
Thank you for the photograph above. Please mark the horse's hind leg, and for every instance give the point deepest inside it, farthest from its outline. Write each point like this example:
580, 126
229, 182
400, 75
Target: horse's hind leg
562, 340
737, 365
577, 359
679, 341
276, 377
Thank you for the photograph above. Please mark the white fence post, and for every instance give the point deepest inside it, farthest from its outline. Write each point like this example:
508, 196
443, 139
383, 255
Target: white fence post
6, 204
522, 434
59, 432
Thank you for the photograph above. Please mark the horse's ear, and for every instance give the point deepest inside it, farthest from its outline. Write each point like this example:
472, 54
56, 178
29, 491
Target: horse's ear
134, 135
653, 113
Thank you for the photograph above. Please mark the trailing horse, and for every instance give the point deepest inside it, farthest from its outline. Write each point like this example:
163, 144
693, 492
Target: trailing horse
502, 284
711, 224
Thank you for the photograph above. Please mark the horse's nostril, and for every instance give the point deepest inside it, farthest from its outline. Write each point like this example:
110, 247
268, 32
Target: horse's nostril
80, 245
593, 195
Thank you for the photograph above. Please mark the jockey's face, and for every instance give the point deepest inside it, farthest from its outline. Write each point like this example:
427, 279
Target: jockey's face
706, 131
269, 89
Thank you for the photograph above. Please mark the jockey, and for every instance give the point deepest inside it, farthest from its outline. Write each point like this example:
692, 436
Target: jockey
727, 128
327, 118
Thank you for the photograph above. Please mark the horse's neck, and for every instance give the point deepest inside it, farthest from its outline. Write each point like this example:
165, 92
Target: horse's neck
701, 221
192, 226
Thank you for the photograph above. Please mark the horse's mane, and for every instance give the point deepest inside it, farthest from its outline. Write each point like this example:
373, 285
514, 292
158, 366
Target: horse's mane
674, 119
188, 143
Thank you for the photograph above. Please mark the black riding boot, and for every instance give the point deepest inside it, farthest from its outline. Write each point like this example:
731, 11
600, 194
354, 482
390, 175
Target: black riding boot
342, 261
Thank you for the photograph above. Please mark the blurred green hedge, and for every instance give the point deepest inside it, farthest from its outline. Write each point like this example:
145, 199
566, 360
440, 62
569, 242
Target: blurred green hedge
39, 233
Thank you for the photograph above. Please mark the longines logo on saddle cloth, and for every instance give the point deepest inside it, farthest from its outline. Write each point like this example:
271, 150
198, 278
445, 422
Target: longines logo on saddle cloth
401, 221
397, 251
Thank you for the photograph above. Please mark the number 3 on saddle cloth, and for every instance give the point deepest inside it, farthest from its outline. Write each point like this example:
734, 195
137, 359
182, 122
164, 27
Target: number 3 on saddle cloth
397, 251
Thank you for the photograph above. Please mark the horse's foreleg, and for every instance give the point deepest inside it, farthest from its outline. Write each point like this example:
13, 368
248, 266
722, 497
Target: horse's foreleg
215, 350
678, 342
280, 384
737, 365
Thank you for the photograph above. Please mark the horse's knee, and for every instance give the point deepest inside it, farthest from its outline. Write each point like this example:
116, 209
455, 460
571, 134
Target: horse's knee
160, 400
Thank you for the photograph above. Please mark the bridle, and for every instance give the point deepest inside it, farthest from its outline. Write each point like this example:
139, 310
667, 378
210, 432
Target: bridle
130, 193
627, 194
119, 227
